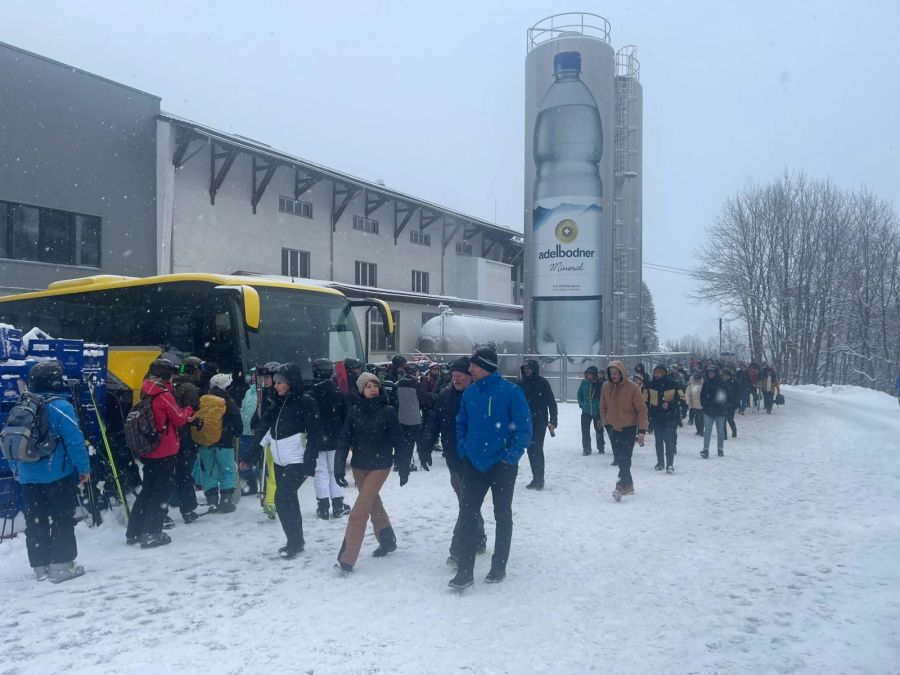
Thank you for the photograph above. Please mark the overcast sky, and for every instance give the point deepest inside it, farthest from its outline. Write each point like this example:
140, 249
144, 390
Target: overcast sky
429, 96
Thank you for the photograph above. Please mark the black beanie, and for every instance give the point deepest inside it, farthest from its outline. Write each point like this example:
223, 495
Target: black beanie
461, 365
486, 357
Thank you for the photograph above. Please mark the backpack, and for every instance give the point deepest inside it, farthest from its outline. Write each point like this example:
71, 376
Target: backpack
211, 411
26, 436
141, 435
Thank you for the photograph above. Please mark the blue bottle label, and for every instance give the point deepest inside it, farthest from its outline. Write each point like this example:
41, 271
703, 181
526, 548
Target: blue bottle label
567, 245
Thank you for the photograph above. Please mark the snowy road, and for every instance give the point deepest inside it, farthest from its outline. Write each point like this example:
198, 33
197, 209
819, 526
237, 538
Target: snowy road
781, 557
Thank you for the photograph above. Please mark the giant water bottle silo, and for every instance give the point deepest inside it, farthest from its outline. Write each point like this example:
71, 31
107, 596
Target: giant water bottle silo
570, 72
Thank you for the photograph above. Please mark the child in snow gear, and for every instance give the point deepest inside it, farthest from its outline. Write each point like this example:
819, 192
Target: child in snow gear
332, 405
48, 483
372, 431
542, 404
147, 514
665, 400
692, 398
714, 399
589, 402
215, 440
294, 436
623, 413
493, 430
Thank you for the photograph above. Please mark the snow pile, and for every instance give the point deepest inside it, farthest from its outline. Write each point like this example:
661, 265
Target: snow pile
780, 557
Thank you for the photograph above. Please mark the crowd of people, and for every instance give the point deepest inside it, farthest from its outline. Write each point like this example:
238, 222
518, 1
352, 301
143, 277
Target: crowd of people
379, 420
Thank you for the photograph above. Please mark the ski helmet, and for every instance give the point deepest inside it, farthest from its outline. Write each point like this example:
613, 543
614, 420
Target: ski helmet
221, 381
352, 364
398, 361
323, 369
46, 376
162, 368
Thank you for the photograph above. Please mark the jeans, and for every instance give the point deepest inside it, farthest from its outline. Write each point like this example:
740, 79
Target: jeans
536, 449
623, 448
289, 479
666, 437
50, 522
456, 482
500, 479
719, 421
586, 422
148, 511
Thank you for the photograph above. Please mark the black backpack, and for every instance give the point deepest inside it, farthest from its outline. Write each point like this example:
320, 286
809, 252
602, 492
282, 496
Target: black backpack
141, 435
26, 436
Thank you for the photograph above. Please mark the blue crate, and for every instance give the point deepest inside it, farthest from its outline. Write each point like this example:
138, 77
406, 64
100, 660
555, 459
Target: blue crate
10, 374
68, 352
96, 358
10, 343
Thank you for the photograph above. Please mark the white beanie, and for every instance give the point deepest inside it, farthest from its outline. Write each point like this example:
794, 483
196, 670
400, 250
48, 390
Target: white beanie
365, 378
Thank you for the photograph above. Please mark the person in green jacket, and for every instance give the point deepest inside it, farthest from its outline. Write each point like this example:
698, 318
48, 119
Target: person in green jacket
589, 401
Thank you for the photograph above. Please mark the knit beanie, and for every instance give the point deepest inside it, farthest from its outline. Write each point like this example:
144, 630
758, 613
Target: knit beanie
364, 378
461, 365
486, 357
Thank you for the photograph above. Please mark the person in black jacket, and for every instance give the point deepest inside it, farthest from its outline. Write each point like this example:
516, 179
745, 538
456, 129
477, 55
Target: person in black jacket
734, 400
442, 422
540, 400
372, 430
187, 393
332, 406
408, 397
665, 407
714, 400
293, 438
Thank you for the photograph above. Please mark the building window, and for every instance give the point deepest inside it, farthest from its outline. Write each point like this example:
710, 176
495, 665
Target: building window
49, 235
295, 263
369, 225
295, 207
428, 316
419, 238
366, 274
463, 248
419, 281
378, 341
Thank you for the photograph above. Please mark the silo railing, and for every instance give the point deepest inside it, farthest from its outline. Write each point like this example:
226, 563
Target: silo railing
578, 23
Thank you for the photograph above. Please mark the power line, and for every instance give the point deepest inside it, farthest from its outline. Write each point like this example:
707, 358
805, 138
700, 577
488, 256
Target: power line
668, 268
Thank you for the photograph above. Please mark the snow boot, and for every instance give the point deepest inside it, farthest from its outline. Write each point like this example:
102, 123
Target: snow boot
602, 451
670, 469
659, 466
290, 552
212, 500
586, 453
461, 581
495, 576
189, 517
344, 569
41, 572
270, 511
453, 561
322, 508
60, 572
168, 523
721, 453
226, 505
338, 507
387, 541
155, 540
131, 541
535, 485
704, 453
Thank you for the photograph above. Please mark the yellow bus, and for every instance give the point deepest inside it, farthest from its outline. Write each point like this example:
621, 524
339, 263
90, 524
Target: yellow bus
238, 322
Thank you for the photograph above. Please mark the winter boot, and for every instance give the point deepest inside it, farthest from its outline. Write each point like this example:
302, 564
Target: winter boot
322, 508
535, 484
60, 572
461, 581
226, 505
586, 453
659, 466
212, 500
42, 572
721, 453
269, 510
601, 450
168, 523
670, 469
453, 561
387, 541
338, 507
704, 453
189, 517
344, 569
495, 576
290, 552
155, 540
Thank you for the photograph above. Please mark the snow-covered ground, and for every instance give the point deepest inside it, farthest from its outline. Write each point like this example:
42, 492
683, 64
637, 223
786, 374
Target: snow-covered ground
781, 557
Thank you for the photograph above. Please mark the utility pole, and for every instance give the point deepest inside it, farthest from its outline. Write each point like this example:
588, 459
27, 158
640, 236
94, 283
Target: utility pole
720, 337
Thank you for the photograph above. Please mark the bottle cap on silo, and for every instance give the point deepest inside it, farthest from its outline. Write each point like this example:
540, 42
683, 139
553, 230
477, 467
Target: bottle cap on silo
567, 61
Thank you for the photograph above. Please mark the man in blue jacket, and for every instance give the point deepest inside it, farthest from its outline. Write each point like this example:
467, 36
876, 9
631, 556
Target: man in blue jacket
493, 430
49, 484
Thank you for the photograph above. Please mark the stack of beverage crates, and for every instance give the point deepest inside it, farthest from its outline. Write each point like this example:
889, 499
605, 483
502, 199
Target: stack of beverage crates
82, 362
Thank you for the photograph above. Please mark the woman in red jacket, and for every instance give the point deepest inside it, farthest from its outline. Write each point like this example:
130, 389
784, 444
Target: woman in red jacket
146, 521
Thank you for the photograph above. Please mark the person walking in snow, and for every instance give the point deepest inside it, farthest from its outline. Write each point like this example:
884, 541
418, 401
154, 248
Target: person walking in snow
442, 423
692, 398
293, 437
734, 399
49, 483
589, 402
408, 398
544, 415
332, 404
768, 382
714, 399
493, 430
372, 431
187, 394
623, 413
664, 402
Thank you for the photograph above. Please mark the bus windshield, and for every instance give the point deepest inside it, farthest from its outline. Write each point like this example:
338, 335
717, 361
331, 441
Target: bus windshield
301, 327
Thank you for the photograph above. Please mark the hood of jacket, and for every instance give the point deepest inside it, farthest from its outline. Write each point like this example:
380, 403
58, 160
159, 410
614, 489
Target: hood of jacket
294, 376
617, 365
530, 363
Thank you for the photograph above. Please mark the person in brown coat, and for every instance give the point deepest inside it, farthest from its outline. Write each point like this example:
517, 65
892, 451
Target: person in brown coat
623, 413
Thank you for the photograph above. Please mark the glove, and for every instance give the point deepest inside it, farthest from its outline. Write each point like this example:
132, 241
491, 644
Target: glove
425, 459
340, 480
309, 468
404, 478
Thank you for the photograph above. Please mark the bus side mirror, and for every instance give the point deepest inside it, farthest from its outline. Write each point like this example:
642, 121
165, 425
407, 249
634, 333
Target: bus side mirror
249, 303
384, 309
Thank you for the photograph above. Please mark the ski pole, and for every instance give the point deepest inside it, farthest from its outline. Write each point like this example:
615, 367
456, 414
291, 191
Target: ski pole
109, 455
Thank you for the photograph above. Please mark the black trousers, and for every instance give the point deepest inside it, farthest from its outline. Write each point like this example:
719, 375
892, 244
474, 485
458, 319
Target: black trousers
666, 437
288, 480
148, 511
729, 419
456, 482
587, 421
184, 479
696, 418
50, 522
500, 479
411, 434
768, 400
623, 448
536, 449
